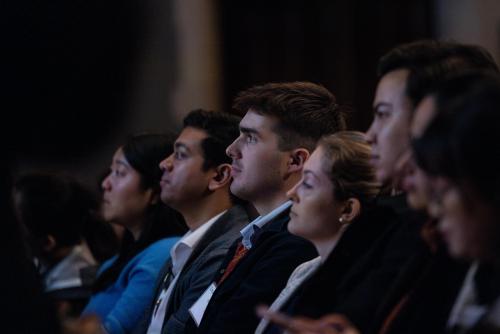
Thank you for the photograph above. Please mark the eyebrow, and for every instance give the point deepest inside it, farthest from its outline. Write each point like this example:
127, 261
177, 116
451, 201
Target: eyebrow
178, 145
308, 172
248, 130
382, 104
122, 162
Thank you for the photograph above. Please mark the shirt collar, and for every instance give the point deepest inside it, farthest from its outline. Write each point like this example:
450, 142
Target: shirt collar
260, 221
181, 251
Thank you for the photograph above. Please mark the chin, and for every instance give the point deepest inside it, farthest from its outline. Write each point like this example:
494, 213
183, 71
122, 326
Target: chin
416, 202
293, 229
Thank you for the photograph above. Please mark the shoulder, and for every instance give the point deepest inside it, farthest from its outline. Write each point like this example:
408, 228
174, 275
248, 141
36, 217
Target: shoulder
305, 268
155, 255
161, 245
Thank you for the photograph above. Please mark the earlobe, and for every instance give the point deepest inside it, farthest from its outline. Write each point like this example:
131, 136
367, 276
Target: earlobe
221, 177
50, 243
155, 198
351, 210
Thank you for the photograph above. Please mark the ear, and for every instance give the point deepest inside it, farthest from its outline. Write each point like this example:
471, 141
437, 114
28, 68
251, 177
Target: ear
49, 244
350, 211
221, 177
297, 159
155, 198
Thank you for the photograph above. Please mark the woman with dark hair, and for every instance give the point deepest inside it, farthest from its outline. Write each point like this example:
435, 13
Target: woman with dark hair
460, 152
131, 198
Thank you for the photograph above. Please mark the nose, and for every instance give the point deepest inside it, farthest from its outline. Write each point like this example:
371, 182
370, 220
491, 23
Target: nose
370, 134
106, 183
166, 164
292, 193
405, 163
232, 150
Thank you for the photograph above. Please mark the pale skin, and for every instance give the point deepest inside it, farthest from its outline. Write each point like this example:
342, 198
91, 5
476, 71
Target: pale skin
329, 324
262, 173
316, 214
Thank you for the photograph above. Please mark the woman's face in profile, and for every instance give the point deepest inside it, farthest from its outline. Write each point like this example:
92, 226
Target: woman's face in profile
315, 212
124, 200
467, 224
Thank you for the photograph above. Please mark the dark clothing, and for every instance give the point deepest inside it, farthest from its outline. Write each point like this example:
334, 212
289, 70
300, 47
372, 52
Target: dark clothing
258, 278
198, 271
358, 271
422, 296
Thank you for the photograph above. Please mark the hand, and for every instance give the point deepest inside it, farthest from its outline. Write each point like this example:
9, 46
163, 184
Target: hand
84, 325
328, 324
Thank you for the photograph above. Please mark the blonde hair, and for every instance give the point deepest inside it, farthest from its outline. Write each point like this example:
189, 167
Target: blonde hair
346, 159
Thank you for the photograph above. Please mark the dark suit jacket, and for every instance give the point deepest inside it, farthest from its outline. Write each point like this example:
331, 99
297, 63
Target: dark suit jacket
199, 270
428, 282
334, 284
257, 278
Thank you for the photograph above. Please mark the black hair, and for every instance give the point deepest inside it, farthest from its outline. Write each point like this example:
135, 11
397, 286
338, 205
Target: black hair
221, 129
462, 142
429, 62
27, 309
144, 152
57, 205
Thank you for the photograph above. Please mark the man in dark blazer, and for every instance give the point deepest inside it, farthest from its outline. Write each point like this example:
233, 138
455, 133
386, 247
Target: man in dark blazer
196, 182
281, 127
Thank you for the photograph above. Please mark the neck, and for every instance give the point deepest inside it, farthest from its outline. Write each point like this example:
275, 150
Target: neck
268, 202
136, 231
325, 245
324, 248
197, 213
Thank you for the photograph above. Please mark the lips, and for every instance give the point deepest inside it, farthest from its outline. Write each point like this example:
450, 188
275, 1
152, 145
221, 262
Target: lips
235, 170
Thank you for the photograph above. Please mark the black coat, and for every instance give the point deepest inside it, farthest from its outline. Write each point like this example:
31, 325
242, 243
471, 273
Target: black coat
258, 278
352, 279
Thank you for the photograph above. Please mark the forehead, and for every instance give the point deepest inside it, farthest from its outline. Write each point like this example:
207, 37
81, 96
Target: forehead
258, 122
424, 113
191, 138
119, 156
316, 162
392, 86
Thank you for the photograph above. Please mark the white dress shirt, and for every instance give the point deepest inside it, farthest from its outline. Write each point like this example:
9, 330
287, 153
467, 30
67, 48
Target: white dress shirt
179, 254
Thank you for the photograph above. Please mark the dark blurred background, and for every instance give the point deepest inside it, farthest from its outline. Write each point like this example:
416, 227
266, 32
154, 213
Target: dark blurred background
78, 76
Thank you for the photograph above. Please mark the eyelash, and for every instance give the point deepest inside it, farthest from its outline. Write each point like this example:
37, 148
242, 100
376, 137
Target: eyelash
381, 114
116, 172
250, 138
306, 185
179, 155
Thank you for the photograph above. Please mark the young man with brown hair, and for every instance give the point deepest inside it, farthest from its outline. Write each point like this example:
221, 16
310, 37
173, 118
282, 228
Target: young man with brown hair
281, 127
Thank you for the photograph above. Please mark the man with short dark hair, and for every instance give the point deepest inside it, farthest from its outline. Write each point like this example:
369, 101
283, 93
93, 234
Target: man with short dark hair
195, 181
281, 127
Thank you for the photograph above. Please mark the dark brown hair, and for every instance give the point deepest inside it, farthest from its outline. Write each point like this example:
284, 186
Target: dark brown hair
305, 111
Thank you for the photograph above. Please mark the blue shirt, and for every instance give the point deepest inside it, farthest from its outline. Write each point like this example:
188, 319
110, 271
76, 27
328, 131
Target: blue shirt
259, 222
122, 304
